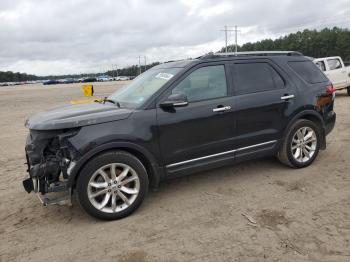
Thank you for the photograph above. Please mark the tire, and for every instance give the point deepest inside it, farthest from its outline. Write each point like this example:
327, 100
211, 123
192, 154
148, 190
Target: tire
110, 195
288, 153
348, 89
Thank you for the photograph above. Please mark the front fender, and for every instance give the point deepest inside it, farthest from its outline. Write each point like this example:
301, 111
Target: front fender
128, 146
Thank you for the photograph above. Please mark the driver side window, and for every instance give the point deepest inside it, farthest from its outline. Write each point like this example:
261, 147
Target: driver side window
204, 83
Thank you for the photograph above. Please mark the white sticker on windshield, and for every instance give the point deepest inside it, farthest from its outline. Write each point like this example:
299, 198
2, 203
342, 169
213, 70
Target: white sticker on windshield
165, 76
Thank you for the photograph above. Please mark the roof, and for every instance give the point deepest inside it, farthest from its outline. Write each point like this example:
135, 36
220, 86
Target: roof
251, 53
171, 64
184, 63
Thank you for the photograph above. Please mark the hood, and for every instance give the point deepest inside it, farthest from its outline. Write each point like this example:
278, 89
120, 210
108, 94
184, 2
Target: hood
76, 116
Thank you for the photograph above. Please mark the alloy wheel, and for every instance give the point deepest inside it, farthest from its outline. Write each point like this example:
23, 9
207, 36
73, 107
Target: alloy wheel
113, 187
304, 144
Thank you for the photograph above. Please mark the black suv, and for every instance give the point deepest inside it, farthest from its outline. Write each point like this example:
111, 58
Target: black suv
178, 118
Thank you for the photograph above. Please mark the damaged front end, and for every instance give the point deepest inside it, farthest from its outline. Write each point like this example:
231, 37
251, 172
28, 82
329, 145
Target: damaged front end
50, 157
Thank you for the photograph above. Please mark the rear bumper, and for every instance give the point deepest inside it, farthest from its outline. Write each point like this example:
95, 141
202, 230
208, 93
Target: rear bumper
330, 122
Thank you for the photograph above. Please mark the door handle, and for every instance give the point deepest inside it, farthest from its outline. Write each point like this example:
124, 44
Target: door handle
221, 109
286, 97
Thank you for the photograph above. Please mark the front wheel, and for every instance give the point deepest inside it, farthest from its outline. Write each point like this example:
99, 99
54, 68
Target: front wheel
112, 185
301, 145
348, 89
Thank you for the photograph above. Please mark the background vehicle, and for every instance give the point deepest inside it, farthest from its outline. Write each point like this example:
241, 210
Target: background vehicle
104, 78
89, 79
68, 81
50, 82
178, 118
122, 78
336, 71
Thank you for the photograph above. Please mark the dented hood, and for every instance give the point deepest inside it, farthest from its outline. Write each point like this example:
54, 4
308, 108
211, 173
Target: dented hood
77, 115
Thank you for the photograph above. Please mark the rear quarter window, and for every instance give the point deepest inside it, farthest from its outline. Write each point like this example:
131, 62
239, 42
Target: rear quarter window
308, 71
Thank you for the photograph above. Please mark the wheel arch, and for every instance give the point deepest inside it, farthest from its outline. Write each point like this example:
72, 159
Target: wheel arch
313, 116
147, 159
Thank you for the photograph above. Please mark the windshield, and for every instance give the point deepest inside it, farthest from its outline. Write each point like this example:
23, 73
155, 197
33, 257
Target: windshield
134, 94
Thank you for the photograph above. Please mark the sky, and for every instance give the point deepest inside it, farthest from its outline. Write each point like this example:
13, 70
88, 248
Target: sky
46, 37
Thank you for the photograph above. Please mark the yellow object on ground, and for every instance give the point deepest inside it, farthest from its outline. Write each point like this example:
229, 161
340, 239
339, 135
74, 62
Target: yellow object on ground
79, 101
88, 89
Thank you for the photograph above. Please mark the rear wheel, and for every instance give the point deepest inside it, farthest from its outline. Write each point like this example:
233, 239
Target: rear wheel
348, 89
301, 145
112, 185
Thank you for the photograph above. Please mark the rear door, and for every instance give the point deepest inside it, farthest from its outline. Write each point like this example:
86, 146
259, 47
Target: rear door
336, 72
262, 97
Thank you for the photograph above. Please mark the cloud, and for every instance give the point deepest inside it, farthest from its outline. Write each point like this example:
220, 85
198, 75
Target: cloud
72, 36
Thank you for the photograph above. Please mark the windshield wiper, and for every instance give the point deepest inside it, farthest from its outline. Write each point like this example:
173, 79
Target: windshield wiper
110, 101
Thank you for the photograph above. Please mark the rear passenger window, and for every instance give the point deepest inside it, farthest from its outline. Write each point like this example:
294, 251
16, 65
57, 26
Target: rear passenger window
256, 77
308, 71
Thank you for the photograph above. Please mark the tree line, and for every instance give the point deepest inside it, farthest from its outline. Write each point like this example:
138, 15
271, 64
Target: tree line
313, 43
326, 42
130, 70
9, 76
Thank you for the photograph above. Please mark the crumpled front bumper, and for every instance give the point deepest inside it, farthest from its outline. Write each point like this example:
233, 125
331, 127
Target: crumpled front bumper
48, 164
48, 158
28, 185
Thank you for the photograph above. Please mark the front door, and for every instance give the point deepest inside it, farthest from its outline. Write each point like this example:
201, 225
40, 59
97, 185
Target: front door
201, 131
336, 72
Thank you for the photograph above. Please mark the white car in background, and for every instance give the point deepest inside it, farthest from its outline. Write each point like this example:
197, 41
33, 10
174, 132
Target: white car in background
104, 78
334, 68
122, 78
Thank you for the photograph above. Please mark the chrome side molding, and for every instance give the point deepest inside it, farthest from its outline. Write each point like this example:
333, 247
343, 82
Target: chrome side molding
220, 154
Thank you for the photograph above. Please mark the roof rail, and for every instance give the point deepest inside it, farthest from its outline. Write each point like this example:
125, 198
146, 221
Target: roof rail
252, 53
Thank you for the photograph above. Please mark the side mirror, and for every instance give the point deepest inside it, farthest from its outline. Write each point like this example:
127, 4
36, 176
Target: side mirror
175, 100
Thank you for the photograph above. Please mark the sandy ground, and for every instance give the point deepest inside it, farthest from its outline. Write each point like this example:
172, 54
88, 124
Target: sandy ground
296, 215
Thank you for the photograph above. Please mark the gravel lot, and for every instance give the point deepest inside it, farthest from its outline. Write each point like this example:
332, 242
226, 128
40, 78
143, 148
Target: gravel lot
296, 215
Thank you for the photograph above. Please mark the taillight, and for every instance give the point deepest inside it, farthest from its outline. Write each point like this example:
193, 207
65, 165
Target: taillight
330, 89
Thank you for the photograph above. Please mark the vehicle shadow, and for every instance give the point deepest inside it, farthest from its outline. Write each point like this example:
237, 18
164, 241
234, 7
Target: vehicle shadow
170, 189
233, 172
